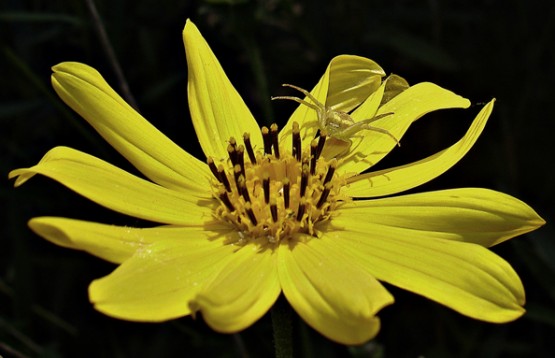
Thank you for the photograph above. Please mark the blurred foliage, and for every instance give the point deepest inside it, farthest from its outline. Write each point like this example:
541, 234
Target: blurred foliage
480, 49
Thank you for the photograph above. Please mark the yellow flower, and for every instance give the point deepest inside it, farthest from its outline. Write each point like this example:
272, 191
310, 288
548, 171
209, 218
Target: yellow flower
237, 232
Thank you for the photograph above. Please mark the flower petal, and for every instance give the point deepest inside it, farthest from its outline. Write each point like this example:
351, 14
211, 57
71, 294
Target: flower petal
332, 295
463, 276
480, 216
242, 293
347, 82
83, 89
109, 242
116, 189
406, 107
217, 110
351, 80
158, 281
397, 179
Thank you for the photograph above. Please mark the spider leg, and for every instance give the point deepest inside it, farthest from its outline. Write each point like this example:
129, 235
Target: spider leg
365, 124
298, 100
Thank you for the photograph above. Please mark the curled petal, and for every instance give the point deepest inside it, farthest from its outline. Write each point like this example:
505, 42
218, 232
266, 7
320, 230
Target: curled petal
406, 108
109, 242
351, 80
242, 293
158, 281
83, 89
335, 297
116, 189
405, 177
217, 110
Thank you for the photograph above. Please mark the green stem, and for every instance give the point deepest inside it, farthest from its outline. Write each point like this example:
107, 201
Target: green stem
283, 332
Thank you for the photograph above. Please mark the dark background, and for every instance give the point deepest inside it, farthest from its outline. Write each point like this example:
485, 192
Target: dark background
479, 49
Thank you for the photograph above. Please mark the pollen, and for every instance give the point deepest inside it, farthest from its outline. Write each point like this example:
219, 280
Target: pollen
276, 192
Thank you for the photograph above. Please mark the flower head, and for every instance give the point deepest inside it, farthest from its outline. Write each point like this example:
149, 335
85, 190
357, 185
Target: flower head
274, 211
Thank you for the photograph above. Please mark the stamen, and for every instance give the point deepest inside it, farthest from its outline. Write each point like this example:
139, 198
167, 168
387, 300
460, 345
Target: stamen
324, 196
321, 142
274, 135
237, 174
248, 145
232, 154
241, 158
223, 178
304, 179
297, 151
243, 188
301, 210
267, 140
213, 168
266, 187
233, 142
225, 199
286, 189
250, 213
313, 156
331, 171
273, 210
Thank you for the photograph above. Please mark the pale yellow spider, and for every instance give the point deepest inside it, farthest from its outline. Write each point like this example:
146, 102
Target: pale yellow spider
338, 124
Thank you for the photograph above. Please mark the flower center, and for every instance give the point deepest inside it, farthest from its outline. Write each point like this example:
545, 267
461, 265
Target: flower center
275, 194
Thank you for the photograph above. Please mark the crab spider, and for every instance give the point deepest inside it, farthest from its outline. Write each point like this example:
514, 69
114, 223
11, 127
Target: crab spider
338, 124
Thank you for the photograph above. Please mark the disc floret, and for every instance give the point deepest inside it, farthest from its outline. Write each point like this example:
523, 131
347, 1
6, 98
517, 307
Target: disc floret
275, 194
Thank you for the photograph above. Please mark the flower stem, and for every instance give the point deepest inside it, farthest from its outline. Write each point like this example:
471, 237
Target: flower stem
283, 332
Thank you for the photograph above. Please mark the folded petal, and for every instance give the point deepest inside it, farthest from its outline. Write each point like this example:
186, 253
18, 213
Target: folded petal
480, 216
465, 277
83, 89
351, 80
243, 292
116, 189
393, 180
109, 242
159, 280
406, 107
347, 82
217, 110
331, 294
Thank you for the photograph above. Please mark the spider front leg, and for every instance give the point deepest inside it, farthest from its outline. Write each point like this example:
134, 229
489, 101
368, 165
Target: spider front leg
316, 105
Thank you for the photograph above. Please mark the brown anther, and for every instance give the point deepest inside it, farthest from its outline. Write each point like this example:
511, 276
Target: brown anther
213, 168
237, 173
297, 150
300, 211
273, 210
250, 213
243, 188
266, 187
248, 146
304, 179
223, 177
225, 199
232, 154
233, 142
267, 140
331, 171
324, 196
321, 142
274, 131
286, 189
241, 158
313, 156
